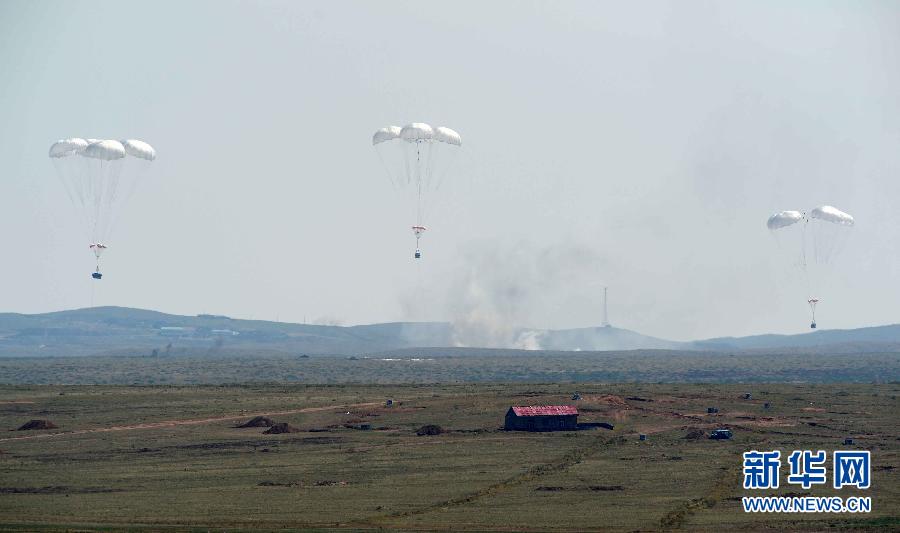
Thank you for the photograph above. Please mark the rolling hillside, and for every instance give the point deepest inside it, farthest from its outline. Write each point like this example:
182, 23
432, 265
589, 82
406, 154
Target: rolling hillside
849, 340
125, 331
116, 330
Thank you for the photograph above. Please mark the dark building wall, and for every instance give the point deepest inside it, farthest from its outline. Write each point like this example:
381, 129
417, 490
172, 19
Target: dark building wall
540, 423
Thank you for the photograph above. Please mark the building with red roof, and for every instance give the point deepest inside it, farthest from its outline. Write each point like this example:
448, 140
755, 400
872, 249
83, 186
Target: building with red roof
542, 418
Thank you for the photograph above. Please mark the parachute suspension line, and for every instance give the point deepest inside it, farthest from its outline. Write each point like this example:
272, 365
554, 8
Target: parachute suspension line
419, 181
419, 204
434, 177
95, 188
93, 207
812, 306
439, 159
69, 189
81, 184
804, 260
408, 175
99, 198
109, 193
387, 169
97, 193
804, 264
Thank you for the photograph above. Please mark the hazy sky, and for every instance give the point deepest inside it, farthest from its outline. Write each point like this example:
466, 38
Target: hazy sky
636, 144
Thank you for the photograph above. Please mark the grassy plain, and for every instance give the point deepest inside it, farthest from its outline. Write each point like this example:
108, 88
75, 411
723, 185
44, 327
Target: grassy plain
168, 457
470, 365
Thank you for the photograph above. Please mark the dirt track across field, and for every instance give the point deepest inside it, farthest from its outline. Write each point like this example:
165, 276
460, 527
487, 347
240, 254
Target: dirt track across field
189, 422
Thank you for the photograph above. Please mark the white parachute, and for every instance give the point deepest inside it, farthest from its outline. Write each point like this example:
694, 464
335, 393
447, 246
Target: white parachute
813, 240
99, 176
784, 219
417, 158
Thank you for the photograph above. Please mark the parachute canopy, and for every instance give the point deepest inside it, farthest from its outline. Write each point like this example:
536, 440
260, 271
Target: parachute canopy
446, 135
831, 214
67, 147
417, 154
388, 133
105, 150
416, 132
139, 149
784, 219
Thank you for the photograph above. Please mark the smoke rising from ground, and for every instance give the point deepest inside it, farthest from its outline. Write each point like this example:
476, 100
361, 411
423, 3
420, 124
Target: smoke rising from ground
500, 291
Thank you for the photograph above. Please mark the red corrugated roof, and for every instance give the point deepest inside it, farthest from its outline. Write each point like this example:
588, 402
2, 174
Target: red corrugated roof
545, 410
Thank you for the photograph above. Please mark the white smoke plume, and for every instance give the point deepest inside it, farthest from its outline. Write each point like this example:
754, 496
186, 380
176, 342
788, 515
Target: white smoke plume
501, 290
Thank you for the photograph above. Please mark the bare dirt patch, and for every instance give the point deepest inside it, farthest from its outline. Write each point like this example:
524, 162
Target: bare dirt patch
188, 422
606, 399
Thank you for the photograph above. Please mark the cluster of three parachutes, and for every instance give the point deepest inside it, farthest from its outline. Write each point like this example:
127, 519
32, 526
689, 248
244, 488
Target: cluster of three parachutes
99, 176
417, 157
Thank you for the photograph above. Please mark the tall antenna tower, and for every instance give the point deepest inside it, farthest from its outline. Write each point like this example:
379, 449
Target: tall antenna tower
605, 323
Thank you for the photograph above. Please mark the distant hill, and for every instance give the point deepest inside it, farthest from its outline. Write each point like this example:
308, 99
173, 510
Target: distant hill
603, 339
848, 340
125, 331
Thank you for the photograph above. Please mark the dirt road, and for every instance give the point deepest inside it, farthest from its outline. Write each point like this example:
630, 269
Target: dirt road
188, 422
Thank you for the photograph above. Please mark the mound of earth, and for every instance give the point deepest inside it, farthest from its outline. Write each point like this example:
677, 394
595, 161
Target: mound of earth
281, 427
609, 399
695, 433
37, 424
430, 429
258, 422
